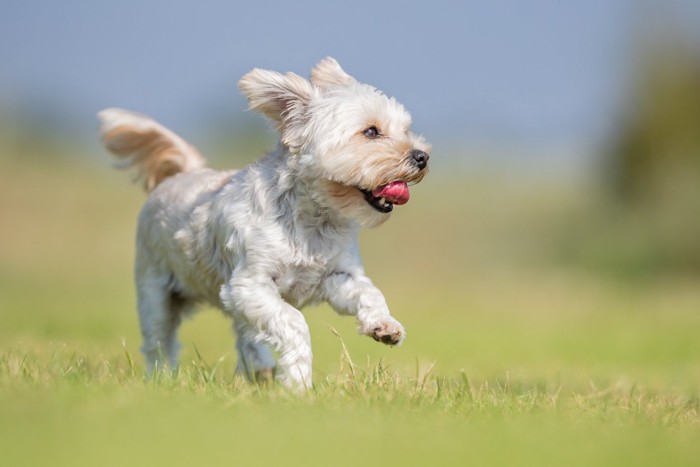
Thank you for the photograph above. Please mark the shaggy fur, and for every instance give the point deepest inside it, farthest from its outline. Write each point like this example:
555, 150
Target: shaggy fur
263, 242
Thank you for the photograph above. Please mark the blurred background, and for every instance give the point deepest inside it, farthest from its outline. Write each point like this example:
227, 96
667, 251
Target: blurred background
564, 195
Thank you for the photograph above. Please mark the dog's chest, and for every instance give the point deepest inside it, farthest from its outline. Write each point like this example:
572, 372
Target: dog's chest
299, 278
305, 260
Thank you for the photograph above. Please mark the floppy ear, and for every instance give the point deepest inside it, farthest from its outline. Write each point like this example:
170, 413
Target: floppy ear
328, 73
283, 98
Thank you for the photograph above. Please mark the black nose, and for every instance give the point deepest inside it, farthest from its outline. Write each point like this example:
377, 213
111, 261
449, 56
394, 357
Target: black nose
420, 158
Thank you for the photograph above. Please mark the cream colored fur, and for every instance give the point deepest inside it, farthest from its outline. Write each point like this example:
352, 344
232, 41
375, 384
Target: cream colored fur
262, 242
156, 152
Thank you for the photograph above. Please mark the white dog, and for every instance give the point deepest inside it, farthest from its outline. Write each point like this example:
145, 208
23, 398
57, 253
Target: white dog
262, 242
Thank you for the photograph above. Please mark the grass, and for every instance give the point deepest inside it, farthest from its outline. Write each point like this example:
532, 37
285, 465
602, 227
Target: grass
512, 357
81, 410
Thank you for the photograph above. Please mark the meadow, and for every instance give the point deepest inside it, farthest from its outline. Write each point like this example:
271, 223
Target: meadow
517, 352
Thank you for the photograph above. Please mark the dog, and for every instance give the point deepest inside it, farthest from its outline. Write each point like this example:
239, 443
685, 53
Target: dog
262, 242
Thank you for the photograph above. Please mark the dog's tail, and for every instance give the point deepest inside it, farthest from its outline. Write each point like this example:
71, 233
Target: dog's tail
138, 141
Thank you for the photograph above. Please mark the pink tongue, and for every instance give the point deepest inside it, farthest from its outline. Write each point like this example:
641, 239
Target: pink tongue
394, 192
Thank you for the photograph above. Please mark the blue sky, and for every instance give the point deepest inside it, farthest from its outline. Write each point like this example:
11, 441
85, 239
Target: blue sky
529, 71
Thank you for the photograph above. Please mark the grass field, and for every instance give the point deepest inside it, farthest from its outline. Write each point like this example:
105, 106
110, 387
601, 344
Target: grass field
514, 356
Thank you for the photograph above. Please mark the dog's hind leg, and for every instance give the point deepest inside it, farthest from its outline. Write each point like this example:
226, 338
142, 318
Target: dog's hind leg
255, 360
160, 314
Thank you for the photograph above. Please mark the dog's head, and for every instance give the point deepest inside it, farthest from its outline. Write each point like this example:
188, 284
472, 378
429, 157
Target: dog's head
352, 142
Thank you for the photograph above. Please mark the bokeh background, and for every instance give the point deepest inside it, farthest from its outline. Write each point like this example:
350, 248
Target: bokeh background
554, 249
602, 92
567, 137
555, 242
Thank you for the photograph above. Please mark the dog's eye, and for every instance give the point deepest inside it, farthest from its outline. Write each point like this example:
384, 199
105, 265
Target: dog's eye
371, 132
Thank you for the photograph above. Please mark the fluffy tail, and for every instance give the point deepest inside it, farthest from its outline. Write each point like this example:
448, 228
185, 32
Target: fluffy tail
138, 141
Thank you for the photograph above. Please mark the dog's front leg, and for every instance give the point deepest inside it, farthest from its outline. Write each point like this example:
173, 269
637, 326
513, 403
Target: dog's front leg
271, 320
352, 293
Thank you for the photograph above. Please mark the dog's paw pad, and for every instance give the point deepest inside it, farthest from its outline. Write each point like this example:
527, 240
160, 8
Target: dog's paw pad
388, 334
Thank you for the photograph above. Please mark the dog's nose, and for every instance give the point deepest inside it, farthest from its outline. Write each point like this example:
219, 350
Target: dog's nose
420, 158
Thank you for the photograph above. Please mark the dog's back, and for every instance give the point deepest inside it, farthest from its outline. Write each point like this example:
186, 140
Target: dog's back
179, 235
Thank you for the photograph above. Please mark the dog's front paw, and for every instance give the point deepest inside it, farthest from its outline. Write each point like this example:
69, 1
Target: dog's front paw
389, 332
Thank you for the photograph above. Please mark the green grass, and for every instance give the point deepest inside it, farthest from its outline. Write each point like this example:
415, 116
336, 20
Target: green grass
512, 357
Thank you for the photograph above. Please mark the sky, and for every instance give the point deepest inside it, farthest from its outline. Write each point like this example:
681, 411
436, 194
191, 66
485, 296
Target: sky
530, 72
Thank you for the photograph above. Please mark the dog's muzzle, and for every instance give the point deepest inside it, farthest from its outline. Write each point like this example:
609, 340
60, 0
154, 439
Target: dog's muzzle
386, 196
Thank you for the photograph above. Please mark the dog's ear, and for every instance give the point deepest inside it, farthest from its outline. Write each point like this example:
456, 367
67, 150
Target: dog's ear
283, 98
328, 73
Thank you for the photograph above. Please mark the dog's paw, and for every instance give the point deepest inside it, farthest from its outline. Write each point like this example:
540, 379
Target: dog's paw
389, 332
